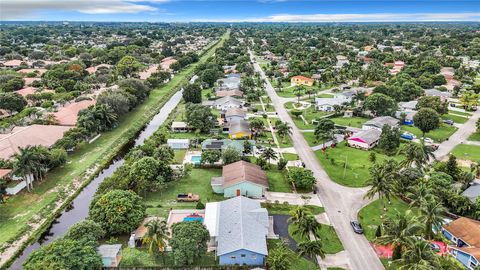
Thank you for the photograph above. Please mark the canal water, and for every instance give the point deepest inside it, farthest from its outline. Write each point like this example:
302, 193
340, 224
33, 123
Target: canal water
79, 208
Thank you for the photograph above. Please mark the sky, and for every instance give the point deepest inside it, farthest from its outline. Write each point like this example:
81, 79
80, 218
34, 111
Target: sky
240, 10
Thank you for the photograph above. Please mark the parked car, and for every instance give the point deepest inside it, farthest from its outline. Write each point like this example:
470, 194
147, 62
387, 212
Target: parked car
428, 140
357, 228
182, 197
407, 136
448, 122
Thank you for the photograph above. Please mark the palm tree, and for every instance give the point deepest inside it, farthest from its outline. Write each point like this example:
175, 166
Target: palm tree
417, 154
269, 154
283, 129
25, 162
382, 177
307, 225
298, 213
311, 249
475, 167
156, 236
418, 256
398, 231
298, 91
431, 215
280, 258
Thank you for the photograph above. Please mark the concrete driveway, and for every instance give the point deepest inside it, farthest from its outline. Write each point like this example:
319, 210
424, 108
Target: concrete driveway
341, 203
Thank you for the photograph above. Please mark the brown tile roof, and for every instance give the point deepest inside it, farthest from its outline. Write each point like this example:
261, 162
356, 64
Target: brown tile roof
303, 78
45, 135
243, 171
229, 93
67, 115
27, 91
4, 172
39, 71
467, 229
29, 81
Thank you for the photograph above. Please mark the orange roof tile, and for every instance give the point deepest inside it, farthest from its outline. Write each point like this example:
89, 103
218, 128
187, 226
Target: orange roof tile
67, 115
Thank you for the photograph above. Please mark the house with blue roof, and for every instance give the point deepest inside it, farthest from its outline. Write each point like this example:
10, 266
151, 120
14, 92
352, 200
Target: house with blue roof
238, 229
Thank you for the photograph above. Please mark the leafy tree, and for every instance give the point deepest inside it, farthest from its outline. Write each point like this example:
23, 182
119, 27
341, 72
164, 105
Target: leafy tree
469, 99
296, 113
64, 254
433, 102
13, 102
230, 155
426, 120
57, 157
200, 117
85, 230
188, 242
390, 139
302, 178
192, 93
257, 125
145, 174
117, 100
136, 88
128, 65
10, 83
324, 129
210, 156
380, 104
118, 211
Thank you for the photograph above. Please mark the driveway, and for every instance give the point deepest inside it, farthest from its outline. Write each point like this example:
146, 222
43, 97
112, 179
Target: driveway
341, 203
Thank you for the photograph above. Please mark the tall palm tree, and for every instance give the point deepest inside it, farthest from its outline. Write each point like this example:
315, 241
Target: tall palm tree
298, 213
283, 129
25, 162
431, 215
156, 236
418, 255
298, 91
417, 154
311, 249
269, 154
308, 225
280, 257
382, 179
420, 193
398, 231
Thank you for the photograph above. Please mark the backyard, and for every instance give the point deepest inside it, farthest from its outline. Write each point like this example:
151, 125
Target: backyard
349, 121
468, 152
140, 257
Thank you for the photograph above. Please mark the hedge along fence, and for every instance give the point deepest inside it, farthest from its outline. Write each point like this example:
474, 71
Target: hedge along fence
213, 267
103, 162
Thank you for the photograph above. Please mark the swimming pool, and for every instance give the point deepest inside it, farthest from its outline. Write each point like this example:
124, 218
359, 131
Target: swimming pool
189, 219
196, 159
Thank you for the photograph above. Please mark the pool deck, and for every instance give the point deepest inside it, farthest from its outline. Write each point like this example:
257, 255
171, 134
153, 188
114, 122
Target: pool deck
178, 215
192, 154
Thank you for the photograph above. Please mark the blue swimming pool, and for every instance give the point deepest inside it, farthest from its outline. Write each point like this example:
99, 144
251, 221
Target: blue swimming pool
196, 159
189, 219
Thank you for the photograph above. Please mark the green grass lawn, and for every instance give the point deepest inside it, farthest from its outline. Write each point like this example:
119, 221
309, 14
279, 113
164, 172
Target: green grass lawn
369, 216
197, 182
179, 156
455, 118
309, 115
460, 113
310, 138
439, 135
328, 237
277, 181
356, 173
284, 209
19, 210
298, 263
349, 121
140, 257
286, 141
290, 156
474, 137
468, 152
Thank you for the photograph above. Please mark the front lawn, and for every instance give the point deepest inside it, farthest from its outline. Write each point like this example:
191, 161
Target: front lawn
349, 121
369, 216
439, 135
290, 156
328, 237
277, 181
456, 118
197, 182
474, 137
356, 173
298, 263
284, 209
468, 152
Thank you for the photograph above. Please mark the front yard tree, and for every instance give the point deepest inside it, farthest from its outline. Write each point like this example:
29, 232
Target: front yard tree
311, 249
269, 154
426, 120
469, 99
280, 258
382, 177
257, 125
64, 254
128, 65
380, 104
192, 93
188, 242
210, 156
302, 178
118, 211
324, 129
389, 140
200, 117
432, 102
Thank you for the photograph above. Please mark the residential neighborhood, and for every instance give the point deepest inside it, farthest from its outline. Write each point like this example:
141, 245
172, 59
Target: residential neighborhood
242, 145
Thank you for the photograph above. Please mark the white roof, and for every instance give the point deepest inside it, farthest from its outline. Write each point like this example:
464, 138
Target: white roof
329, 101
178, 141
179, 124
109, 251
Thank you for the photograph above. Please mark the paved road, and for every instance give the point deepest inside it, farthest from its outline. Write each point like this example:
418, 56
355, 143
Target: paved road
341, 203
460, 136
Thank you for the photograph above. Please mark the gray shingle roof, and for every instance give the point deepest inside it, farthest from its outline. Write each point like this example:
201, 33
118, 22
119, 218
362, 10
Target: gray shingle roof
109, 251
239, 125
242, 224
369, 136
379, 122
473, 192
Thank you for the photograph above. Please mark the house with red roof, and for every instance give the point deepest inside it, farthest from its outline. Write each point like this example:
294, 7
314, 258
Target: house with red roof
301, 80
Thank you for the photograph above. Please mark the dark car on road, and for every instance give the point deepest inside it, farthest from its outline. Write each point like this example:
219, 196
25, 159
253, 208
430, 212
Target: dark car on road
448, 122
357, 228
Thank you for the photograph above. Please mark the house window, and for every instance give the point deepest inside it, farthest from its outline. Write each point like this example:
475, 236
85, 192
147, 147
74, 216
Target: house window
254, 256
233, 257
243, 255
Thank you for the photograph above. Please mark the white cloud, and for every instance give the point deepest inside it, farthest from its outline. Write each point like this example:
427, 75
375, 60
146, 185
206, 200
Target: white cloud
372, 17
18, 9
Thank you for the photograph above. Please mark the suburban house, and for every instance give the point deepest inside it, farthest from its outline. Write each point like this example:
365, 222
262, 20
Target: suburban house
365, 139
241, 178
178, 143
301, 80
341, 61
179, 127
464, 233
408, 106
437, 93
327, 104
472, 192
233, 114
239, 228
408, 116
67, 115
214, 144
239, 129
229, 83
227, 102
229, 93
111, 254
379, 122
45, 135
